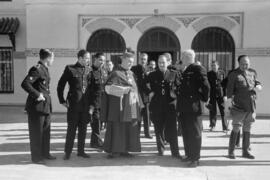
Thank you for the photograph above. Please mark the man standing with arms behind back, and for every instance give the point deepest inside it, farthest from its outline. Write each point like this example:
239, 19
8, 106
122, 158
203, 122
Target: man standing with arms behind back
194, 88
78, 101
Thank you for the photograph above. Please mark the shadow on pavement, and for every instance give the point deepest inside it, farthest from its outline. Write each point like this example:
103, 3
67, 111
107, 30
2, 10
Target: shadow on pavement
140, 159
97, 159
234, 162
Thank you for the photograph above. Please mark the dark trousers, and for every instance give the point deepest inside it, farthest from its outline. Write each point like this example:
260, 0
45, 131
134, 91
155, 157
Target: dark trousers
146, 120
165, 123
192, 135
96, 128
39, 134
214, 101
76, 120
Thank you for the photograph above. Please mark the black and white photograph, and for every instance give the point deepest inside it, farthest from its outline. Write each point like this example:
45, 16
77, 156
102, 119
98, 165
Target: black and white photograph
134, 89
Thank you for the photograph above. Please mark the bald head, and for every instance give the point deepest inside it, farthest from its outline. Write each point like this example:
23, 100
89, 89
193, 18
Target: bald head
188, 57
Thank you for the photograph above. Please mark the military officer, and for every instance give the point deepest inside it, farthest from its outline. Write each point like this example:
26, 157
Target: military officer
163, 83
215, 78
99, 75
169, 59
151, 66
241, 94
38, 107
194, 88
78, 102
140, 72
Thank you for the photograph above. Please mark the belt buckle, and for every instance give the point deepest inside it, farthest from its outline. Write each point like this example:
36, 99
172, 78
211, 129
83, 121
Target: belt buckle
163, 92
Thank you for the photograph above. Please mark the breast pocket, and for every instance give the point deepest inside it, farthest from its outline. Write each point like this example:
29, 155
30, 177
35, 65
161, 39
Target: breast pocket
76, 81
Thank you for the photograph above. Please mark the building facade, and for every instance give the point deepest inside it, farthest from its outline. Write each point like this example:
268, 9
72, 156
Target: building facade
216, 29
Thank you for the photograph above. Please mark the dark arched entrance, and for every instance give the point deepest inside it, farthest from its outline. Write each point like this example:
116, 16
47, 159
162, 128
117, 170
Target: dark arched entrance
107, 41
217, 44
159, 40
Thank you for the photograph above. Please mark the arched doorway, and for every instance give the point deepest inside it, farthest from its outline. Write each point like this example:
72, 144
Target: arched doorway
214, 44
159, 40
107, 41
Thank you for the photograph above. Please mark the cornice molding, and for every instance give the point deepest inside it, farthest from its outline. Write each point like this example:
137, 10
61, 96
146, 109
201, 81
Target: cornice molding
132, 2
12, 12
253, 51
63, 52
58, 52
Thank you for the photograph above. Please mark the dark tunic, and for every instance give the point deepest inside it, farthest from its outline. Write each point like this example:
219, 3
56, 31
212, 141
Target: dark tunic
216, 97
163, 108
37, 81
241, 87
122, 133
80, 100
140, 73
194, 89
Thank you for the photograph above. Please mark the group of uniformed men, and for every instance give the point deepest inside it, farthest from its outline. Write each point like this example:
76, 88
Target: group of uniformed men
168, 93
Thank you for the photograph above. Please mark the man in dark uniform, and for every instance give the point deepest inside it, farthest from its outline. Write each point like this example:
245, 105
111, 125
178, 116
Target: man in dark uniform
151, 66
170, 61
215, 78
99, 75
163, 83
194, 88
39, 108
78, 102
140, 72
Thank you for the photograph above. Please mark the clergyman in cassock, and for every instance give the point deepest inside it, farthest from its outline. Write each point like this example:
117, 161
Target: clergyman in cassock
122, 111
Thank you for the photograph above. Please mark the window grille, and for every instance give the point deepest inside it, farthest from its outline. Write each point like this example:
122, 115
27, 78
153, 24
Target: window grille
6, 70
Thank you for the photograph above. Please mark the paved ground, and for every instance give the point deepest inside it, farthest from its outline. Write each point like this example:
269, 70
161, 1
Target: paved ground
15, 164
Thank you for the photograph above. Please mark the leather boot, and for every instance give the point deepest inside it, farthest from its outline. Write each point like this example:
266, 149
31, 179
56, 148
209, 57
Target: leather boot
232, 142
245, 146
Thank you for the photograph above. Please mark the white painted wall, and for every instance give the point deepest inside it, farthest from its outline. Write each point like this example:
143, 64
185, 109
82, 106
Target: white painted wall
16, 8
261, 64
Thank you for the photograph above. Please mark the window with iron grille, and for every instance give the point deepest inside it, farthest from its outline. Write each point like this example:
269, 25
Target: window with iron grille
6, 70
214, 44
109, 42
